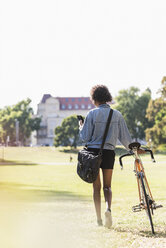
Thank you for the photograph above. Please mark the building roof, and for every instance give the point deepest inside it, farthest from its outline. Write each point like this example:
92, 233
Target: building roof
77, 103
71, 103
45, 97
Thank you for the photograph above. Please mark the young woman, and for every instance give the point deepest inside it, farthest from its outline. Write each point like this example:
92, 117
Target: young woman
91, 132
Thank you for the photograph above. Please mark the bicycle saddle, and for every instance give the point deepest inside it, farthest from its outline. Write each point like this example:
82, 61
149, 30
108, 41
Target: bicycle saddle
134, 144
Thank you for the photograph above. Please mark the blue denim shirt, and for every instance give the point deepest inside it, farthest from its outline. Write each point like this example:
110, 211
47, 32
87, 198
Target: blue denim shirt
92, 131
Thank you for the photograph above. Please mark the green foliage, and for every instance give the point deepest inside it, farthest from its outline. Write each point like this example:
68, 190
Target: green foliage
22, 113
67, 133
161, 149
163, 88
133, 108
156, 113
1, 134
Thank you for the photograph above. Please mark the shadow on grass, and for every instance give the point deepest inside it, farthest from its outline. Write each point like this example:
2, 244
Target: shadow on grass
66, 150
12, 162
160, 152
37, 193
119, 151
147, 234
158, 234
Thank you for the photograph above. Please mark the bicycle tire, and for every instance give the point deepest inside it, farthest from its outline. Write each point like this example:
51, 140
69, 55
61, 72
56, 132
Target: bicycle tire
147, 202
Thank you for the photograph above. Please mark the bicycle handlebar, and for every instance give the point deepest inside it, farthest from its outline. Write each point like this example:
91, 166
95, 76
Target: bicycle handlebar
120, 159
130, 154
151, 153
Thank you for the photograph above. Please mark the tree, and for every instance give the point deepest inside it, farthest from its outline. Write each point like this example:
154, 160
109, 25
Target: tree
133, 107
163, 88
156, 113
1, 134
67, 133
23, 113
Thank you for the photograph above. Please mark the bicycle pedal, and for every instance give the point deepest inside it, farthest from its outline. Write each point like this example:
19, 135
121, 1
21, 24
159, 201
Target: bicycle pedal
157, 206
136, 208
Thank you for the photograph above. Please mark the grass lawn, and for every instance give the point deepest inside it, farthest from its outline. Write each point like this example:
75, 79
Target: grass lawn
45, 204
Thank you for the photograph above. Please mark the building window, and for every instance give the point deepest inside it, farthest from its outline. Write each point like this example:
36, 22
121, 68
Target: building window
82, 106
66, 99
89, 106
73, 100
76, 106
63, 106
79, 99
51, 132
69, 106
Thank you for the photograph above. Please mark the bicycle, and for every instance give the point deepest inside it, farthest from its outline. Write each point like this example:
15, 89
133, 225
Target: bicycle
147, 202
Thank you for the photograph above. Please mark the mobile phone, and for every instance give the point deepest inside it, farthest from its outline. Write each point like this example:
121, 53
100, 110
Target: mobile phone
80, 118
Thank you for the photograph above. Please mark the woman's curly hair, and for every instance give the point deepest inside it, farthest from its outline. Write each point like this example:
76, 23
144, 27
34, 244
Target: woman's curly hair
100, 93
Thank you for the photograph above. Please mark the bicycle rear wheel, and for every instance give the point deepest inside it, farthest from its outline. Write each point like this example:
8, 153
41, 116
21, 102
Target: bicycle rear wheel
146, 201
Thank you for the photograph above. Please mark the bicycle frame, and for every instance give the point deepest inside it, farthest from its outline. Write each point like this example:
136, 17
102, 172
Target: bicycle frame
138, 167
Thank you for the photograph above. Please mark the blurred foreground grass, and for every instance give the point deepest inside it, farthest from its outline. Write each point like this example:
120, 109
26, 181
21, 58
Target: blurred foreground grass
45, 204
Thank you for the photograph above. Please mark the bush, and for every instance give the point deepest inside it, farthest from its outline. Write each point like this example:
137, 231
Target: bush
161, 149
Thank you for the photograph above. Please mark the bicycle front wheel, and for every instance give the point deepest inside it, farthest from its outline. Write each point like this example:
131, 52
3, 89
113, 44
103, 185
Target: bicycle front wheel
146, 201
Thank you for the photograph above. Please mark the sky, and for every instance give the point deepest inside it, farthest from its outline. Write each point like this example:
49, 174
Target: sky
64, 47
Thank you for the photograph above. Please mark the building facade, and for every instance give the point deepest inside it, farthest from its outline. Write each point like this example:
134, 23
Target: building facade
53, 110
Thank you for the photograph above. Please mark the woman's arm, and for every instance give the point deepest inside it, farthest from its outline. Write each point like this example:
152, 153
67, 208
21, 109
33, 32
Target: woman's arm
124, 135
86, 129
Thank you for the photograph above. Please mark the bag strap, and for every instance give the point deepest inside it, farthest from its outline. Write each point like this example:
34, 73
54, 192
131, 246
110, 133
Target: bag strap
106, 131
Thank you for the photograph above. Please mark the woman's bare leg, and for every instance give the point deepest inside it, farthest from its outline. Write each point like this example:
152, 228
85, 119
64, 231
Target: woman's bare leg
97, 197
107, 178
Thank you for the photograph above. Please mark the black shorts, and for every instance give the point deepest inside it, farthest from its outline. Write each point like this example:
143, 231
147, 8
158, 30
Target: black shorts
108, 158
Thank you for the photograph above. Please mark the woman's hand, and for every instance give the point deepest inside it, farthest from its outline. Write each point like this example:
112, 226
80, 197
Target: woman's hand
80, 124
